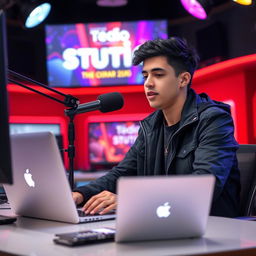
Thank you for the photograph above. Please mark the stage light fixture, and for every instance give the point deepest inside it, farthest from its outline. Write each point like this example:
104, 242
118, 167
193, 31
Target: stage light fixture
197, 8
33, 12
243, 2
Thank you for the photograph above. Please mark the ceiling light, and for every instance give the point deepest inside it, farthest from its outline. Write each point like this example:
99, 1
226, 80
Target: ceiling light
243, 2
197, 8
33, 12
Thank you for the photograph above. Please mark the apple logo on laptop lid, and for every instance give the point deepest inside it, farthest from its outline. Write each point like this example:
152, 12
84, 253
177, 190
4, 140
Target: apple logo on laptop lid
28, 178
163, 211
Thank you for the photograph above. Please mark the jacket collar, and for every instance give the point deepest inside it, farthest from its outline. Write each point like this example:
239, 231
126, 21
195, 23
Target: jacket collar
194, 105
190, 109
189, 112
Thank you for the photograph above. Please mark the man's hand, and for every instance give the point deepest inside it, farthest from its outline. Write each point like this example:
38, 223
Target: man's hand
101, 203
78, 197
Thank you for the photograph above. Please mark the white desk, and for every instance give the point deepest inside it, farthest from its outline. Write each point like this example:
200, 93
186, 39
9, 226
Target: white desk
88, 176
34, 237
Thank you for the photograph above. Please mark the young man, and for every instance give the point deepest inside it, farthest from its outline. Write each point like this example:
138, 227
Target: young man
187, 134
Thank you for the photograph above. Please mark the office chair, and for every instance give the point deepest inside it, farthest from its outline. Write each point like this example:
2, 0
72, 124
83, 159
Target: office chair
246, 156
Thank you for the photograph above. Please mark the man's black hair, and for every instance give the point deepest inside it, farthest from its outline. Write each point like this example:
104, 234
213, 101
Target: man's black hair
179, 55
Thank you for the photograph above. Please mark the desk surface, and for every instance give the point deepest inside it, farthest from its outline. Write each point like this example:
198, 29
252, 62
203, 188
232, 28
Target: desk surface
35, 237
88, 176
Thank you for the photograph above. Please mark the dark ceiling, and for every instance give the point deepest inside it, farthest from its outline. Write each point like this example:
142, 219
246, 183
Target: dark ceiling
87, 10
64, 11
28, 46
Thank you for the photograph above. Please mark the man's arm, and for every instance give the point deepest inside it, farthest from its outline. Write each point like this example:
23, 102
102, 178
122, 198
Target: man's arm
100, 193
101, 203
78, 198
217, 147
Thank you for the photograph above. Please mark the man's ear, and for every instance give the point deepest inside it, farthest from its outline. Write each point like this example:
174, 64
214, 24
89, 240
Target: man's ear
184, 79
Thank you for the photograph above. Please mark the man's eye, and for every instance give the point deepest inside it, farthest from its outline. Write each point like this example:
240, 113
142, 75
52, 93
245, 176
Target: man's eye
144, 77
158, 75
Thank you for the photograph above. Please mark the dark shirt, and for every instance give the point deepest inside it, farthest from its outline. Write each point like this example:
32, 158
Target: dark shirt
168, 132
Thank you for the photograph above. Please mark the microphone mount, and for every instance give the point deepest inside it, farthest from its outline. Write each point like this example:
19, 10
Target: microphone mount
69, 101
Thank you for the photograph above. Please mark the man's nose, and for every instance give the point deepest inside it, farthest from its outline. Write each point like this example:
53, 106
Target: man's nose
148, 82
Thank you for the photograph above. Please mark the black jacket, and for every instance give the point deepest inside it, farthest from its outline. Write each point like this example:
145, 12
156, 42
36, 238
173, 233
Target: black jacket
204, 143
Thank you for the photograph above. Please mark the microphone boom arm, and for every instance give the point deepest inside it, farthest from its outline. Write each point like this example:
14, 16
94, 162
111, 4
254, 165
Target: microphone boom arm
69, 101
105, 103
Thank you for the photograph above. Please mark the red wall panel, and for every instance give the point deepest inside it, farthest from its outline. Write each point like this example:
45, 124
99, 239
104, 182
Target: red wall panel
232, 81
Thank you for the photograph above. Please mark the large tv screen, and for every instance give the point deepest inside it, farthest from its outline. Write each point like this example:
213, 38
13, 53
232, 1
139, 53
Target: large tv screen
109, 139
97, 54
16, 128
31, 124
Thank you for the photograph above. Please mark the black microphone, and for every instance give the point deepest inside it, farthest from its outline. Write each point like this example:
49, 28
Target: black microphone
105, 103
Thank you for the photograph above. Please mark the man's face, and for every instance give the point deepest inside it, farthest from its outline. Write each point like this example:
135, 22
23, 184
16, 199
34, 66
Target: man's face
162, 87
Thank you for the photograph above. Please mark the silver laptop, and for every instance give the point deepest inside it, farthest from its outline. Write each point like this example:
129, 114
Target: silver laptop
40, 186
163, 207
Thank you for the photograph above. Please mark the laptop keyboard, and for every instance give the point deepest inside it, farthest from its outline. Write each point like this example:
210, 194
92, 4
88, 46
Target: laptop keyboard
4, 204
83, 214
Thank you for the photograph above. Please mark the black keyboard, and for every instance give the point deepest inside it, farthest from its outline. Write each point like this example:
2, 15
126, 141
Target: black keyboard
4, 202
85, 237
83, 214
3, 198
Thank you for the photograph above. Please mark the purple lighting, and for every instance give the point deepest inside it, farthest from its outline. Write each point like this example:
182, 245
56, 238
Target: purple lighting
194, 8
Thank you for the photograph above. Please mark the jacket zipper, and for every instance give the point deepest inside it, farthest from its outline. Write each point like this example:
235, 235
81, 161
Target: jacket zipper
166, 149
145, 158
